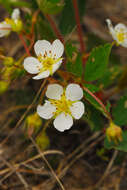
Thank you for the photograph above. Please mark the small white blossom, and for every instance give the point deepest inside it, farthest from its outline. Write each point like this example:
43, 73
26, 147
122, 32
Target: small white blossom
5, 29
15, 14
11, 24
48, 59
119, 33
63, 105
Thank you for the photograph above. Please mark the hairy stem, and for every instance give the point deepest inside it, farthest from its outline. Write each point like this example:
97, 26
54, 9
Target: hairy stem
24, 44
54, 27
79, 28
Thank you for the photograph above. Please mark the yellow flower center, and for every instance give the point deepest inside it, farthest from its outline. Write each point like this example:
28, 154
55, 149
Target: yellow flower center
16, 25
120, 36
47, 63
62, 105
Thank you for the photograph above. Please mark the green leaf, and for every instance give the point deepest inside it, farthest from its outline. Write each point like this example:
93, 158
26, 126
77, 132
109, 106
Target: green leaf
109, 77
120, 146
50, 7
91, 100
67, 19
20, 4
93, 118
97, 62
44, 29
120, 111
76, 66
6, 5
70, 50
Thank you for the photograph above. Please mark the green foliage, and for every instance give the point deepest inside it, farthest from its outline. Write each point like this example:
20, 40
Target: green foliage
92, 88
50, 6
44, 29
74, 62
88, 97
75, 67
122, 146
120, 111
110, 76
67, 20
94, 118
97, 62
9, 4
70, 50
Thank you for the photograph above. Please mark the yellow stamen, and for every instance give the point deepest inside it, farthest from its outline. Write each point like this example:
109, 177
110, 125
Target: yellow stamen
62, 105
47, 63
120, 37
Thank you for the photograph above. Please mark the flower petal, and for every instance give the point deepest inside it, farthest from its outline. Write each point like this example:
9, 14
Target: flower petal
54, 91
124, 44
15, 14
42, 46
42, 75
74, 92
63, 122
56, 66
5, 29
46, 111
32, 65
120, 27
57, 49
111, 29
77, 109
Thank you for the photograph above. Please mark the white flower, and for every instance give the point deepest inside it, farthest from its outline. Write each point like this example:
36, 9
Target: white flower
119, 33
15, 14
11, 24
5, 29
48, 59
63, 105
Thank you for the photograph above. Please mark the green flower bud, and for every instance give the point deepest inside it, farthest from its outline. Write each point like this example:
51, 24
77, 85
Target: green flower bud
3, 86
43, 141
114, 133
8, 61
17, 26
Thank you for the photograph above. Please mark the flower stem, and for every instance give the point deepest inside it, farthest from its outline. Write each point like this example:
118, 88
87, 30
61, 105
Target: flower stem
24, 44
54, 27
79, 28
99, 101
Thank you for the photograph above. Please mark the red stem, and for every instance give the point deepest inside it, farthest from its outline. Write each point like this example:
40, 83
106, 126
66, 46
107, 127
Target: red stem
54, 27
24, 44
99, 101
79, 28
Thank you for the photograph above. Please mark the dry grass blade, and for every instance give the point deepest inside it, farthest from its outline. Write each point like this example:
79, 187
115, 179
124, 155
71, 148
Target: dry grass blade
51, 169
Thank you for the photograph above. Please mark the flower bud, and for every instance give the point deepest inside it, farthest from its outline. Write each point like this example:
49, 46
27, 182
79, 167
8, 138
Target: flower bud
33, 122
3, 86
17, 26
8, 61
43, 141
114, 133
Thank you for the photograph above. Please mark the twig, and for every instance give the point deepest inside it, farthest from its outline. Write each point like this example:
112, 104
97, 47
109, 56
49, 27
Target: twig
17, 173
49, 166
107, 170
23, 116
65, 169
31, 159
